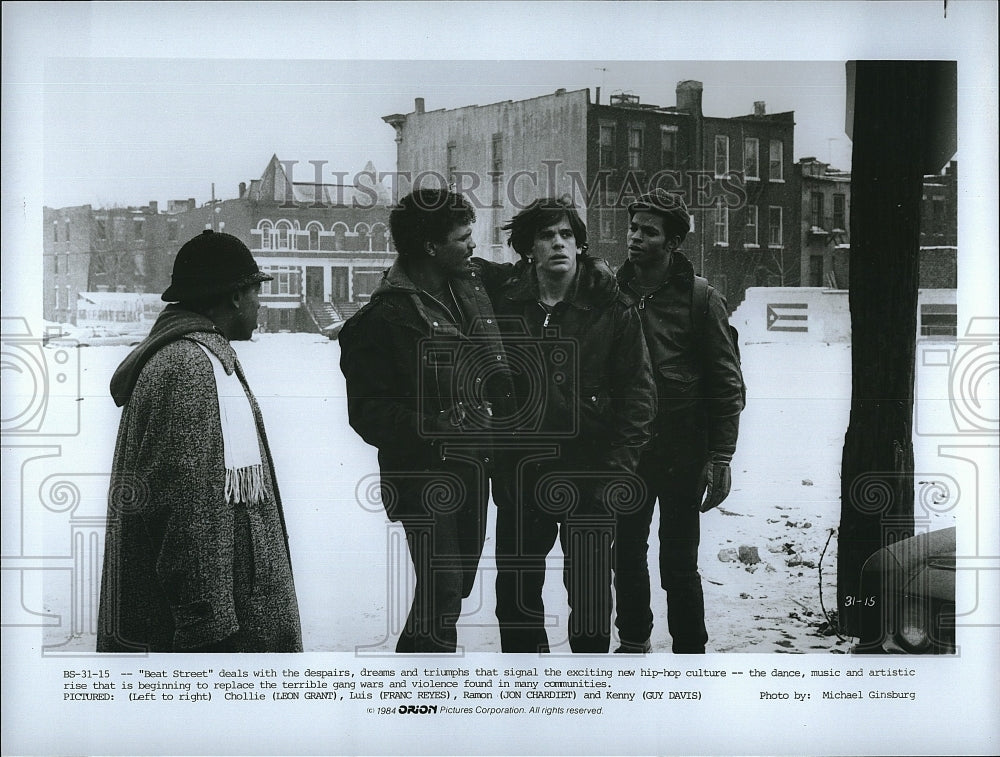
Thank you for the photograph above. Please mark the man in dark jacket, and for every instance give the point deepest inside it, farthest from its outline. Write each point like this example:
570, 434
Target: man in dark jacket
196, 556
426, 379
585, 400
700, 396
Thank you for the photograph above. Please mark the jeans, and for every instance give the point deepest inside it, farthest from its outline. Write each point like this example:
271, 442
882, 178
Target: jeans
445, 548
525, 534
674, 484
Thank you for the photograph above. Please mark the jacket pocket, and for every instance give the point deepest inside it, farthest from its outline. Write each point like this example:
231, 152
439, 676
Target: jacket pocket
595, 412
676, 383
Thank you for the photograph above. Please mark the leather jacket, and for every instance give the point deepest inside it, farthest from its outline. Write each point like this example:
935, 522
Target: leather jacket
699, 383
581, 374
421, 389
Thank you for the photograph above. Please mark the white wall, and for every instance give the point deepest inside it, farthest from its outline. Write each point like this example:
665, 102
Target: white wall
806, 315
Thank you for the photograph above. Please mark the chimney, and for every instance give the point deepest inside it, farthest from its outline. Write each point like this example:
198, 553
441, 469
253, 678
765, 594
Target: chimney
154, 207
597, 99
759, 108
243, 189
418, 105
560, 91
191, 203
689, 97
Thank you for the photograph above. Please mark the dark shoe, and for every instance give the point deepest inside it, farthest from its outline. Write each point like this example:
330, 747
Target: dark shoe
628, 647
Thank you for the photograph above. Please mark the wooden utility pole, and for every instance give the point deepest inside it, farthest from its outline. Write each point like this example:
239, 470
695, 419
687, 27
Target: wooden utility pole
901, 117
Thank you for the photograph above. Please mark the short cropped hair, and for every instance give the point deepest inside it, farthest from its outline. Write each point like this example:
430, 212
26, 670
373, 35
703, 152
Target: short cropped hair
540, 214
427, 215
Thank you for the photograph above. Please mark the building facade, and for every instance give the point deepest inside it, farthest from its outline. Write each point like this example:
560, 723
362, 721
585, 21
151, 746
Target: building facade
327, 246
825, 227
825, 223
735, 173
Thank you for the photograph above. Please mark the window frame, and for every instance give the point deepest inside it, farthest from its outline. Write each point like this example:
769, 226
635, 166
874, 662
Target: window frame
752, 211
720, 224
780, 226
755, 143
635, 151
721, 139
606, 151
779, 175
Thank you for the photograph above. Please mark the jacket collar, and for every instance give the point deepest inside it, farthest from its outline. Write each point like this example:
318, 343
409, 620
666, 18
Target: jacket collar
593, 285
680, 273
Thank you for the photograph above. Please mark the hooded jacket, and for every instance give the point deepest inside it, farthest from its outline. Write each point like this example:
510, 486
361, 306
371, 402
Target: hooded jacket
699, 383
183, 569
429, 394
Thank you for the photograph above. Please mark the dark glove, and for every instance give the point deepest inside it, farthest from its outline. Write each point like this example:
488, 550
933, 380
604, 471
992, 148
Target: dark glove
716, 481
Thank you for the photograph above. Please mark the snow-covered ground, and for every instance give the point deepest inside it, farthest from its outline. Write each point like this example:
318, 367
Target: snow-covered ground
351, 565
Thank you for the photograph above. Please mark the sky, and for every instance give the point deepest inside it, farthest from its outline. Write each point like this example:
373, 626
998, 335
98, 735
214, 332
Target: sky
127, 131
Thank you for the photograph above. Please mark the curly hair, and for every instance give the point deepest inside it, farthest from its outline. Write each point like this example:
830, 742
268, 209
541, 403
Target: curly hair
427, 215
541, 213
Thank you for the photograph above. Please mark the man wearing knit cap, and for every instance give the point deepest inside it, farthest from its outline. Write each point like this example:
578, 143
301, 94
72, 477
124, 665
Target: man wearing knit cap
700, 395
196, 556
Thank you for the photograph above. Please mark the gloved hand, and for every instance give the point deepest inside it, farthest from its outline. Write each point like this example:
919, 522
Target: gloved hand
716, 481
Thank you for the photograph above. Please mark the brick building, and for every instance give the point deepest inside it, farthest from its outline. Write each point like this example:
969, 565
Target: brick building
326, 245
825, 227
825, 223
734, 173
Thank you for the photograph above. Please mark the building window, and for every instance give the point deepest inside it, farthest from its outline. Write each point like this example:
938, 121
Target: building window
774, 233
721, 155
777, 167
750, 233
66, 230
138, 230
283, 238
635, 147
839, 212
607, 146
265, 235
55, 231
55, 264
313, 238
751, 164
668, 146
172, 229
816, 209
721, 224
452, 162
102, 229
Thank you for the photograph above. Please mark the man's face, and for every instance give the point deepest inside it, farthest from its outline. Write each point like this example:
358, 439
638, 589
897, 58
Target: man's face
248, 305
452, 254
647, 243
554, 249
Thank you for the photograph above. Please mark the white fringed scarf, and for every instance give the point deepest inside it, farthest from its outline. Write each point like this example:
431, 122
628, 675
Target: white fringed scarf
244, 467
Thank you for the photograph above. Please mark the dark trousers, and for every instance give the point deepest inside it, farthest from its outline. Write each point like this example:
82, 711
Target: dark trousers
525, 535
445, 548
674, 484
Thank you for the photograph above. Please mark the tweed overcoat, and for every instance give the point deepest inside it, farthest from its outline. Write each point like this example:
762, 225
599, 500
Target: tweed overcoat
183, 569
